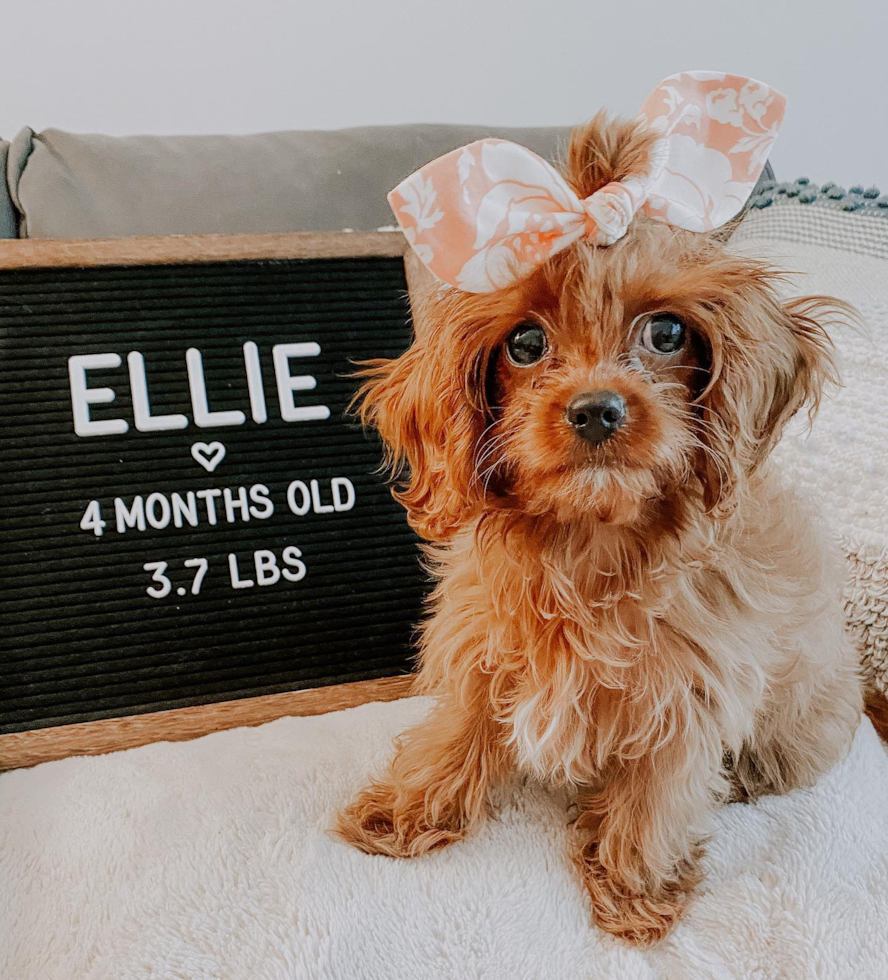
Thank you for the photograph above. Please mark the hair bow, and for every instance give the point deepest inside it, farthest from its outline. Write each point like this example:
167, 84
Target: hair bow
486, 215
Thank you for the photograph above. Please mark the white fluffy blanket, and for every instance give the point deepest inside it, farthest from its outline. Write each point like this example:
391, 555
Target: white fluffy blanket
209, 859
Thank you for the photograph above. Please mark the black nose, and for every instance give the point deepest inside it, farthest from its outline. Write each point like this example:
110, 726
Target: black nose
596, 415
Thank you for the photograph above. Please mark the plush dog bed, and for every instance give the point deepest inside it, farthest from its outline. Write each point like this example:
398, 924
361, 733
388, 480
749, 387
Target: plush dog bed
211, 859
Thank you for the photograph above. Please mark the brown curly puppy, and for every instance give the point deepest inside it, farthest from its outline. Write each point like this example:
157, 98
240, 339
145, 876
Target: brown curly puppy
629, 601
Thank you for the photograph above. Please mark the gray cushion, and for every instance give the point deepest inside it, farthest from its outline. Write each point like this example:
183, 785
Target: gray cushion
8, 222
67, 185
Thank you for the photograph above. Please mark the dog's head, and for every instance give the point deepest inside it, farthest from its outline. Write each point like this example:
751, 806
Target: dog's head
610, 380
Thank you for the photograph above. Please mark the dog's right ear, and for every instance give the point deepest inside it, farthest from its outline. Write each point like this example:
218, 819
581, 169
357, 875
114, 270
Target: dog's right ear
428, 406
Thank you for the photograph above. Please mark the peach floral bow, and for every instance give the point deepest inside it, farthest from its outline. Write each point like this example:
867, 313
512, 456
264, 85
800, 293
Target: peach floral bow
484, 216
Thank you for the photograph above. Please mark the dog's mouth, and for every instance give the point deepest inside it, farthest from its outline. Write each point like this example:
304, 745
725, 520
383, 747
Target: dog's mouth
602, 448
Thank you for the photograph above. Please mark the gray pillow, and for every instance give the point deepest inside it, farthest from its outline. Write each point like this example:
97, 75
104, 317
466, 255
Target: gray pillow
68, 185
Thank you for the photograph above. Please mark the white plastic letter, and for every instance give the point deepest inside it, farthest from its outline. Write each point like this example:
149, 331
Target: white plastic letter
203, 417
231, 505
184, 510
82, 397
145, 421
254, 382
337, 484
267, 571
134, 517
207, 497
92, 519
305, 506
259, 495
316, 504
236, 581
159, 523
288, 383
292, 557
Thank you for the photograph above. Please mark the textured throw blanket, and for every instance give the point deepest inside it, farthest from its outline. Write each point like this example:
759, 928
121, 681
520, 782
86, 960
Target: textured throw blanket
209, 860
842, 463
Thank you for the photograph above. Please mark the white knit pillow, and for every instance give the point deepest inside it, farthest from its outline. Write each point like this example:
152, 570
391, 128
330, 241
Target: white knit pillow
843, 462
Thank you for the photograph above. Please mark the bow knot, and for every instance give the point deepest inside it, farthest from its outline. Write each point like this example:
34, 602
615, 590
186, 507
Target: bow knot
611, 208
487, 214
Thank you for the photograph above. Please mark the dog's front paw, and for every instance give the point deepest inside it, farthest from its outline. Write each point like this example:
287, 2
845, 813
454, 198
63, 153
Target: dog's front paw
635, 918
384, 821
641, 918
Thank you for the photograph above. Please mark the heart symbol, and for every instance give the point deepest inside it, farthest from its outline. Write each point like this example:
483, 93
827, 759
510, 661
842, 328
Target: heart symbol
209, 455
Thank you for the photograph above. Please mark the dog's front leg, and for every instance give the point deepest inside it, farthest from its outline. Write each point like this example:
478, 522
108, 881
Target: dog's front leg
435, 790
638, 840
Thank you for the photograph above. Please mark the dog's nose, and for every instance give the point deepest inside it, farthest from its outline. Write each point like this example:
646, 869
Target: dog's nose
596, 415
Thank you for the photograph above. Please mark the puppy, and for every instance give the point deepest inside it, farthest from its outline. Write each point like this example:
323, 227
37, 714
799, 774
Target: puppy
629, 600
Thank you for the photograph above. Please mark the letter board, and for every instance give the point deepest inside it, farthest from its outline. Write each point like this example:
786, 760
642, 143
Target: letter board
187, 513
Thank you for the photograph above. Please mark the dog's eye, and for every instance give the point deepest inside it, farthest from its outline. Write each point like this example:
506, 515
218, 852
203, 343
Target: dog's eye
526, 344
663, 333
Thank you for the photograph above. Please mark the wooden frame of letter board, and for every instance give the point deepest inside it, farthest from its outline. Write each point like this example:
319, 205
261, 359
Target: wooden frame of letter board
29, 748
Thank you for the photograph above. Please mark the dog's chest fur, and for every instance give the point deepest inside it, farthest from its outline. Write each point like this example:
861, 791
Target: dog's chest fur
567, 723
606, 677
552, 738
594, 654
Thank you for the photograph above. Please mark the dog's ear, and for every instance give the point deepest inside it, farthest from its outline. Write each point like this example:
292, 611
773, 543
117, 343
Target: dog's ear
773, 361
428, 406
800, 385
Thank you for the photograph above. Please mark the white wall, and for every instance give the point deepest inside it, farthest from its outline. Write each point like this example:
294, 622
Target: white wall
205, 66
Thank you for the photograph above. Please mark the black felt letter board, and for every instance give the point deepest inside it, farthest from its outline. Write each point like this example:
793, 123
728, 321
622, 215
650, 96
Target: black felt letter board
152, 562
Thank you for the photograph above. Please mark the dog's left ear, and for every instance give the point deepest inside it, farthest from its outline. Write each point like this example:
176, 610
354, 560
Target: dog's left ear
808, 367
774, 362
